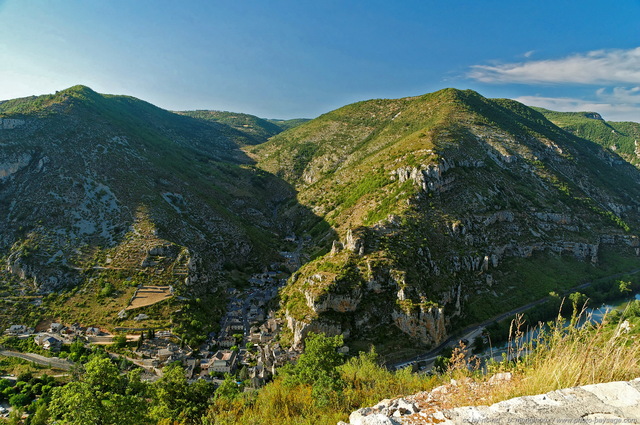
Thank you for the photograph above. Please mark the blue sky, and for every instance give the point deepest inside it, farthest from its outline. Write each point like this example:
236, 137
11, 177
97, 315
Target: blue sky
285, 59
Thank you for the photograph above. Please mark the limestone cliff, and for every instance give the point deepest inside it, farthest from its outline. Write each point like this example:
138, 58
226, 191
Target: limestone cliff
448, 208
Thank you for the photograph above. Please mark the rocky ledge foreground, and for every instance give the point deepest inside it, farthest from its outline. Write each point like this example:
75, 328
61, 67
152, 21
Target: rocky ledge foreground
608, 403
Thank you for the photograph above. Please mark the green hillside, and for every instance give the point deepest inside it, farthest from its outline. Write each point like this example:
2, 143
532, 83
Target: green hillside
257, 130
102, 191
619, 137
450, 208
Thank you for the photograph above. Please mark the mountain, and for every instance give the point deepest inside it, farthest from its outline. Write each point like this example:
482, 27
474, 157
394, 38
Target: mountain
449, 209
101, 192
419, 215
619, 137
256, 129
288, 124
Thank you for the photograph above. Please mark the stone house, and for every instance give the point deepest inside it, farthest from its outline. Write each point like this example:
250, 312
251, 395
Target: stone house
55, 327
227, 342
93, 331
236, 326
223, 361
48, 342
16, 329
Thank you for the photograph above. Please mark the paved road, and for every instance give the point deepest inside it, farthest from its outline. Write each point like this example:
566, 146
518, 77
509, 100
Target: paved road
53, 362
471, 331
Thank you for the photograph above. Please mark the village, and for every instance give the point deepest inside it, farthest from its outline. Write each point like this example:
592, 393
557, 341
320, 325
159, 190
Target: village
246, 344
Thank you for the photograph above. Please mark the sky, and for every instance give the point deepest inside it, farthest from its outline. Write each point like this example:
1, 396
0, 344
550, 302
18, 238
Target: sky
288, 59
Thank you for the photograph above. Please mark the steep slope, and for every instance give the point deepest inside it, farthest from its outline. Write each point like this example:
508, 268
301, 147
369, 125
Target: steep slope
620, 137
257, 130
289, 124
450, 208
113, 191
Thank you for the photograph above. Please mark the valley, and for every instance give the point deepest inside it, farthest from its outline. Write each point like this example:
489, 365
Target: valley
392, 222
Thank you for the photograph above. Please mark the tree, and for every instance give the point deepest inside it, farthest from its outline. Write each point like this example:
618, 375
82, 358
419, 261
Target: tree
624, 287
229, 388
76, 350
320, 358
578, 300
41, 415
107, 290
176, 400
318, 367
120, 340
100, 397
243, 375
441, 364
19, 400
479, 344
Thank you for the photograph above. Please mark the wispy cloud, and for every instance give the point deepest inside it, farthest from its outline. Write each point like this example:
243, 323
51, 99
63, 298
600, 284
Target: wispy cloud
617, 104
613, 66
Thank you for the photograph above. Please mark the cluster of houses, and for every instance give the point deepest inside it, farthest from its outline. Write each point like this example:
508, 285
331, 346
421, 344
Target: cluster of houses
56, 335
161, 351
247, 339
248, 317
245, 322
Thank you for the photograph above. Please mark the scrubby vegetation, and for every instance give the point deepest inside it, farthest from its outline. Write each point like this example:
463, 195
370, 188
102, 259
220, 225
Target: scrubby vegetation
324, 386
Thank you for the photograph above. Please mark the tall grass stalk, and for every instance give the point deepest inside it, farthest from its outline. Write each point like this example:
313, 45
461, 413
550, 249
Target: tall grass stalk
570, 353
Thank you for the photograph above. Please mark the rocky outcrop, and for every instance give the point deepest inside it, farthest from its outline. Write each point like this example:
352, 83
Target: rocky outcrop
337, 302
301, 329
607, 403
431, 177
425, 324
354, 242
10, 123
13, 164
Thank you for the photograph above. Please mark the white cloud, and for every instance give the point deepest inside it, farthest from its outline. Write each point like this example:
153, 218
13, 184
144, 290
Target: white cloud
595, 67
619, 104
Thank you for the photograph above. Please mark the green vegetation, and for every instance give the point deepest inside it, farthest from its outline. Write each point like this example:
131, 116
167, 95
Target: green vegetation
30, 394
288, 124
619, 137
257, 129
322, 388
447, 200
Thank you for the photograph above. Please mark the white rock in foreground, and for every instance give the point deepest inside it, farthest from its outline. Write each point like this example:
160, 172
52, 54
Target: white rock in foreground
608, 403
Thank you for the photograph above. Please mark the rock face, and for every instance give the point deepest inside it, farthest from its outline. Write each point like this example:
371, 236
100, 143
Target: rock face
607, 403
445, 205
426, 325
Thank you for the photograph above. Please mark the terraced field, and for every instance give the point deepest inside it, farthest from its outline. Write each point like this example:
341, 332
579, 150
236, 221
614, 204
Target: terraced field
149, 295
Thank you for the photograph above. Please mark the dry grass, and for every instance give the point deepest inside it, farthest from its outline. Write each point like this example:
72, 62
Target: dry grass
149, 295
569, 355
564, 354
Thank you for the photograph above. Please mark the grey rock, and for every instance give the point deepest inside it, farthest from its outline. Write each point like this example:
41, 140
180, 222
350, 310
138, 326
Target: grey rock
617, 402
374, 419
